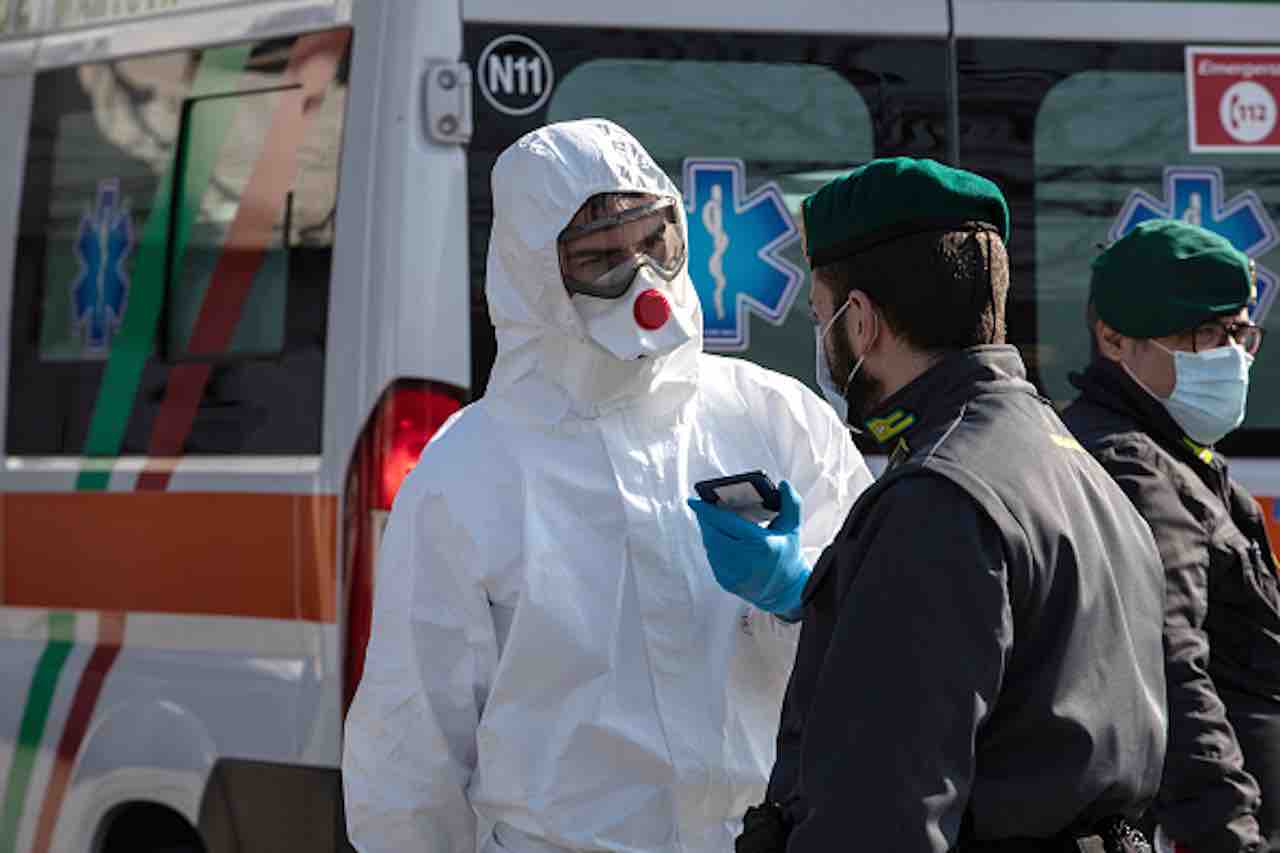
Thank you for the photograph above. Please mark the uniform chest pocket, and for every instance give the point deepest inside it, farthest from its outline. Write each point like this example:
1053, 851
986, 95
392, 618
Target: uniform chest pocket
1261, 578
1239, 577
1244, 608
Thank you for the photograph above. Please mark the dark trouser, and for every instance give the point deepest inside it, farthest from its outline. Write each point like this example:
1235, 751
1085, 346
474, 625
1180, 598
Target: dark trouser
765, 830
1257, 726
1113, 835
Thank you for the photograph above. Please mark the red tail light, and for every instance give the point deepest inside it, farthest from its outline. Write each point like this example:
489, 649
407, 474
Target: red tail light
409, 416
406, 417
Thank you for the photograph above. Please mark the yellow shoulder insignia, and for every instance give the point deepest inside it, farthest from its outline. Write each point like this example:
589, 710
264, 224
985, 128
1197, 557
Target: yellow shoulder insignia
1066, 442
890, 425
1205, 454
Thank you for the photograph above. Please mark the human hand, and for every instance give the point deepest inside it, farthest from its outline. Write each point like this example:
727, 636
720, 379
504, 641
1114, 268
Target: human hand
762, 565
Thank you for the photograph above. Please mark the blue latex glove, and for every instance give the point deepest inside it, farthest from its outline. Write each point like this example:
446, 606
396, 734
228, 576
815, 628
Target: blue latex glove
760, 564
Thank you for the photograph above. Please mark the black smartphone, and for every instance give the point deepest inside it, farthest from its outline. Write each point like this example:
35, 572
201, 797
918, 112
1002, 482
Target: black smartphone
751, 495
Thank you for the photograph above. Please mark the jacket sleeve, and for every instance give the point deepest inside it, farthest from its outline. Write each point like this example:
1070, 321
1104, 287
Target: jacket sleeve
913, 667
410, 741
1207, 800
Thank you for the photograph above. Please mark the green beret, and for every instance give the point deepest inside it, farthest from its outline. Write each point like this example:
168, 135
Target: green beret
893, 197
1167, 276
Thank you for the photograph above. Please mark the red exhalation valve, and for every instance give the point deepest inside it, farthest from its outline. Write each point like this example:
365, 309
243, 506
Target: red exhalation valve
651, 310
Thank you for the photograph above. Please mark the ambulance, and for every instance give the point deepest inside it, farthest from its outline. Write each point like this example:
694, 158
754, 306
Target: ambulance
242, 257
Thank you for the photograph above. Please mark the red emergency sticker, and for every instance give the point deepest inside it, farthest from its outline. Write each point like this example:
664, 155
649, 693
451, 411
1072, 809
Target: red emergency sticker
1232, 94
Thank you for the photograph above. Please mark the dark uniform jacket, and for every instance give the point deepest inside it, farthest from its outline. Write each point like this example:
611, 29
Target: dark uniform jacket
981, 641
1222, 614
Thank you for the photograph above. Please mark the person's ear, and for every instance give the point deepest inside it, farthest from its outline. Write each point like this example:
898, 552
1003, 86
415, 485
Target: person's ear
1111, 343
863, 322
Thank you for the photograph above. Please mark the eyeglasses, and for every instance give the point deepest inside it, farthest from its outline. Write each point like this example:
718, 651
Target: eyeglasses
1213, 334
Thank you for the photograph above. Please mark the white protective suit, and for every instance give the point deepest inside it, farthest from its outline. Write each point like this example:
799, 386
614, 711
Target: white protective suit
551, 653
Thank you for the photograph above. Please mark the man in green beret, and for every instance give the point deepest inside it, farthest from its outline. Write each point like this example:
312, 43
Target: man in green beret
1169, 376
980, 663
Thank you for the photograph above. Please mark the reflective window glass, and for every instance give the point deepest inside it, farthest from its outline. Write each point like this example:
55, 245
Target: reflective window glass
175, 244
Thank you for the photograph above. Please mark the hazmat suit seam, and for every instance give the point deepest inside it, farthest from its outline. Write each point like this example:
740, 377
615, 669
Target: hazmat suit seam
617, 420
662, 723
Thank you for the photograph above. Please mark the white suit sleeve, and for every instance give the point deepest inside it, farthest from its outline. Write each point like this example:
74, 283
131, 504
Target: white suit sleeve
818, 458
829, 473
410, 744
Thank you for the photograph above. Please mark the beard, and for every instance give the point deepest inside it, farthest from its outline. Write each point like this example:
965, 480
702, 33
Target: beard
864, 391
864, 394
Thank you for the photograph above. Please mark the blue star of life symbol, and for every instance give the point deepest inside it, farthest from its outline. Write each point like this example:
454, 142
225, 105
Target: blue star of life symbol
734, 240
101, 287
1194, 194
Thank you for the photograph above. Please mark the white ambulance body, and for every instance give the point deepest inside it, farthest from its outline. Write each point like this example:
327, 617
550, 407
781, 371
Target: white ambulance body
242, 252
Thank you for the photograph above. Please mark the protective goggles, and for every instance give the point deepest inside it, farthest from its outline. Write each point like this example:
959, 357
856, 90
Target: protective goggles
602, 258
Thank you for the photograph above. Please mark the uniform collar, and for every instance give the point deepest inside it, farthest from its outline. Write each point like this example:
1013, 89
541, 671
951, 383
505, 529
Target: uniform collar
1107, 384
938, 394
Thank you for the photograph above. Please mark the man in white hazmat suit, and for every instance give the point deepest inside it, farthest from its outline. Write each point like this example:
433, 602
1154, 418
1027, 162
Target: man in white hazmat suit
553, 665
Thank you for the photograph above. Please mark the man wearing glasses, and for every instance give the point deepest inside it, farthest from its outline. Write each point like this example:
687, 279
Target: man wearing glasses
1170, 373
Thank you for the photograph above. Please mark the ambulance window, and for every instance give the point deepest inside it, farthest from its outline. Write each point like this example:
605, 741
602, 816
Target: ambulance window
735, 136
1111, 149
178, 208
214, 206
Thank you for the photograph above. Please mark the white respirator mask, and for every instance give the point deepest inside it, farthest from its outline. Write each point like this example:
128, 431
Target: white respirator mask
639, 324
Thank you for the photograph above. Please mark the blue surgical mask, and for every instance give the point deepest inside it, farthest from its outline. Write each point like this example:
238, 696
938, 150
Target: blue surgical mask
1210, 389
834, 394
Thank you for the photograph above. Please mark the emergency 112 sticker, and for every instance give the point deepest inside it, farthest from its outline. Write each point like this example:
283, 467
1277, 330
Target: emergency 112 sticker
1232, 93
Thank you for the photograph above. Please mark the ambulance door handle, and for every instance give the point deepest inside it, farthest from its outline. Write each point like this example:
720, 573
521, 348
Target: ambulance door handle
446, 102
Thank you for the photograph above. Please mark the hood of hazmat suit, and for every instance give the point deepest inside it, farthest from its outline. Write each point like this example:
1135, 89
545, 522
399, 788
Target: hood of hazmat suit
553, 665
